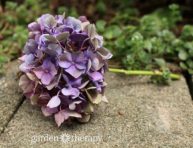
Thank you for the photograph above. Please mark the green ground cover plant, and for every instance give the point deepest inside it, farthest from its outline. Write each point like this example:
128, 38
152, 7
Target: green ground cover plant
158, 41
153, 42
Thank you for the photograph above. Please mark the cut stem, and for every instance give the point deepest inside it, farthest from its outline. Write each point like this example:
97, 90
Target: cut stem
146, 73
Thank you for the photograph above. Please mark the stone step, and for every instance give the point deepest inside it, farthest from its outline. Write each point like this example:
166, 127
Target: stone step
10, 96
139, 114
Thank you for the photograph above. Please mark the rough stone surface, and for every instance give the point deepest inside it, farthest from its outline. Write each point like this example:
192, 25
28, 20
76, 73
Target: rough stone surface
138, 114
10, 96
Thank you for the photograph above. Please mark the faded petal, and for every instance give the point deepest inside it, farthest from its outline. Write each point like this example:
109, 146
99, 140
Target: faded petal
54, 102
73, 71
26, 84
96, 76
34, 26
74, 23
104, 53
63, 115
46, 78
38, 72
74, 92
60, 117
72, 105
47, 20
48, 111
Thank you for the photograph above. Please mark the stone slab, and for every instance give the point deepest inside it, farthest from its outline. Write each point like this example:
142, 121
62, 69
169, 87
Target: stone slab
10, 96
138, 115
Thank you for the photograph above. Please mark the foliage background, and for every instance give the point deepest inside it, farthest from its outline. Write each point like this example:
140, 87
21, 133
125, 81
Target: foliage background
147, 35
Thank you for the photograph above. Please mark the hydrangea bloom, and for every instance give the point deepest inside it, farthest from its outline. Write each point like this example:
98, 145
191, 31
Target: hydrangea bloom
63, 66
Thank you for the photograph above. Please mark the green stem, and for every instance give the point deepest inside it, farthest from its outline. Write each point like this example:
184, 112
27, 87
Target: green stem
147, 73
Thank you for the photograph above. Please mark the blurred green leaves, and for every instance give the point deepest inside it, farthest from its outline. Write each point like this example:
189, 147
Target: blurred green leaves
150, 42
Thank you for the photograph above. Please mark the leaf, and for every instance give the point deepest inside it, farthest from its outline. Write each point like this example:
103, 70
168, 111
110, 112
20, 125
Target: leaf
183, 55
183, 65
100, 25
160, 62
3, 59
112, 32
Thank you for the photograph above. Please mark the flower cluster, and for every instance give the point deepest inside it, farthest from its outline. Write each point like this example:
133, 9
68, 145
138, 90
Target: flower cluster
63, 66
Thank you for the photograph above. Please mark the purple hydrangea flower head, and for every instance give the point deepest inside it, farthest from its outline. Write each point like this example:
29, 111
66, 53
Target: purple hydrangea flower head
63, 66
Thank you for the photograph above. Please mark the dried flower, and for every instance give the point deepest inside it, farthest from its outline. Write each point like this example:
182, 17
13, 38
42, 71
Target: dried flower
63, 66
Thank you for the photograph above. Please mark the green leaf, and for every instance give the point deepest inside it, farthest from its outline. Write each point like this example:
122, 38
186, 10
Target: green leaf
100, 25
183, 55
112, 32
183, 65
3, 59
160, 62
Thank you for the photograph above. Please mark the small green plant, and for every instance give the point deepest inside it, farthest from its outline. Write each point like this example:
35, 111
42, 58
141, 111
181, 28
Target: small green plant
151, 42
13, 30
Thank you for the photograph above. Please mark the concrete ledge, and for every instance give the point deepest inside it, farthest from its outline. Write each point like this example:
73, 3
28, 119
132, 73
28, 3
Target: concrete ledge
139, 114
10, 96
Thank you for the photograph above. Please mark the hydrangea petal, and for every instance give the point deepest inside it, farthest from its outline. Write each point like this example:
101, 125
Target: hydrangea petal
96, 76
72, 106
104, 53
48, 111
74, 92
54, 102
46, 78
73, 71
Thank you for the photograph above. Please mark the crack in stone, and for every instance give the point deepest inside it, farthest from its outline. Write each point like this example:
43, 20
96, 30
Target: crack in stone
13, 114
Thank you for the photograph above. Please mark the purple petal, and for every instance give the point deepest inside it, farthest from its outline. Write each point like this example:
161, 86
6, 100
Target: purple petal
60, 117
48, 111
63, 115
46, 78
80, 66
53, 83
74, 92
49, 67
26, 84
72, 106
54, 49
38, 72
72, 70
47, 20
83, 19
96, 76
24, 67
78, 38
34, 26
64, 64
60, 19
74, 23
54, 102
65, 60
30, 47
53, 70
